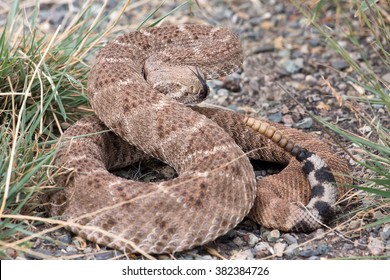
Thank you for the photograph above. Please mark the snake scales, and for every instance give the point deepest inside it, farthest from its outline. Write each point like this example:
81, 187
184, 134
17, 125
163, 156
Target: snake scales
139, 88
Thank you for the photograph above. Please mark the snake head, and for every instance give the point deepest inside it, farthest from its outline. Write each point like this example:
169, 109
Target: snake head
179, 82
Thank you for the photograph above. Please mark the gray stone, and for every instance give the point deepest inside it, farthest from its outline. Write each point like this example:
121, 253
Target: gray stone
339, 64
314, 41
223, 92
386, 77
292, 250
322, 249
215, 83
263, 48
385, 234
238, 241
32, 256
205, 257
71, 250
255, 20
375, 246
348, 246
289, 239
308, 252
305, 123
252, 240
273, 235
88, 250
66, 238
293, 66
104, 255
276, 117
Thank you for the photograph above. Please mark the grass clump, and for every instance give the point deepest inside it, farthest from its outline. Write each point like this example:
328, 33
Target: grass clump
42, 80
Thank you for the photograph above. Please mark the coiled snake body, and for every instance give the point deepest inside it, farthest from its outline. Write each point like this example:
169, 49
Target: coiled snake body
135, 89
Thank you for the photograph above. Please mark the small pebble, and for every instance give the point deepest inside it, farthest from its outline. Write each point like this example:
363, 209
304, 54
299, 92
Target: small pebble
354, 225
244, 255
223, 92
215, 83
385, 234
348, 246
276, 117
386, 77
71, 250
231, 234
311, 80
298, 76
66, 239
292, 250
322, 249
308, 252
289, 239
292, 66
314, 41
104, 255
279, 249
263, 48
339, 64
288, 120
305, 123
262, 249
205, 257
360, 244
238, 241
375, 246
378, 215
88, 250
252, 240
273, 235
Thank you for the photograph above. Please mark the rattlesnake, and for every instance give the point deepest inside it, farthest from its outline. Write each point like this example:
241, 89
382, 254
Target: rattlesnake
209, 148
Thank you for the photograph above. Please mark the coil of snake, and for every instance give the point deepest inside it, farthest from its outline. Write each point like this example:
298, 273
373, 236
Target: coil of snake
139, 88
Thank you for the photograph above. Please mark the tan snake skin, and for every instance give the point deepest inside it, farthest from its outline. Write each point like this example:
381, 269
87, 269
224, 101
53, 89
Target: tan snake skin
216, 186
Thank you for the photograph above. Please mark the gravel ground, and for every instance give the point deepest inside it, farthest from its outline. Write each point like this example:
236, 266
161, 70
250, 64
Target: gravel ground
280, 49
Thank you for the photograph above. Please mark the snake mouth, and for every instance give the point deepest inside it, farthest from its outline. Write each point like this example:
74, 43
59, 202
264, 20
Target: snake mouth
204, 92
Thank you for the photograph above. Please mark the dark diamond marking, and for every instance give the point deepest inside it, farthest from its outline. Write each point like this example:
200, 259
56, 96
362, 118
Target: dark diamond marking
304, 154
324, 209
324, 175
308, 167
317, 191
